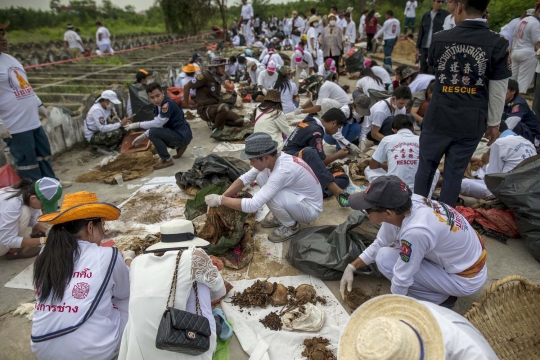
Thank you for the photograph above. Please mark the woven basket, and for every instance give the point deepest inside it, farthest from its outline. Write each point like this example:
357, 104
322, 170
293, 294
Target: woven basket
508, 315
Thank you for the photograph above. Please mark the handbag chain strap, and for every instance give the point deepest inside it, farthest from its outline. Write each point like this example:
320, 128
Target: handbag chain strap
172, 292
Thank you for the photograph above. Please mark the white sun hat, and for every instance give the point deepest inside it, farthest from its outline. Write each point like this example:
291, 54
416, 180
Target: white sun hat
392, 327
177, 234
109, 95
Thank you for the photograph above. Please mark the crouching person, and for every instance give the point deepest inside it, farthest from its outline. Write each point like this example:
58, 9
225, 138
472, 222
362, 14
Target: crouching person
288, 186
169, 127
104, 134
82, 289
425, 248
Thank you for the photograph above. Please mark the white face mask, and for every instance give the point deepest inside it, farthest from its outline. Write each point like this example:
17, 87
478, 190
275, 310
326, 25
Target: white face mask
110, 106
332, 23
315, 24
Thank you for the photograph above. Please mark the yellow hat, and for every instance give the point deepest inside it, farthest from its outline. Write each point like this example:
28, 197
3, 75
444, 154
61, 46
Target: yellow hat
332, 15
81, 205
303, 37
190, 68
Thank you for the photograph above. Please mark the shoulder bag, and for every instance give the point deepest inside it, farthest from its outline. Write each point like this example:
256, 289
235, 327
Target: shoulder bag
181, 331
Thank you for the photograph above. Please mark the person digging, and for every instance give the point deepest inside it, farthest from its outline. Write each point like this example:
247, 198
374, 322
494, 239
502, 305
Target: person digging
169, 128
288, 186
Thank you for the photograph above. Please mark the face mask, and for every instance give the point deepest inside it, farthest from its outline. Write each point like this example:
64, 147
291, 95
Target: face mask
332, 22
315, 24
110, 106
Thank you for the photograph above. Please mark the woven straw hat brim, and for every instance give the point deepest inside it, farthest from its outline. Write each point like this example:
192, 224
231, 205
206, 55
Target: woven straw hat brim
102, 210
402, 308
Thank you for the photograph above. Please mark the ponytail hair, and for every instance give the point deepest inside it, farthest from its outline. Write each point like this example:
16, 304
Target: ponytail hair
24, 188
53, 268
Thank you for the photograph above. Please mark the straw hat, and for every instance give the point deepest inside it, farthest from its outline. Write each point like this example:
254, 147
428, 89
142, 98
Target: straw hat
313, 19
177, 234
392, 327
273, 95
81, 205
332, 15
189, 68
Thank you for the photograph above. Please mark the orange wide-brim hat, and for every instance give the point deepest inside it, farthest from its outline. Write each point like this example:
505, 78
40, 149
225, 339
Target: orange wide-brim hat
190, 68
81, 205
4, 25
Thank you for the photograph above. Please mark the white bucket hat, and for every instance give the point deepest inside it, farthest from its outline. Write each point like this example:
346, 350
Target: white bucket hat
177, 234
392, 327
109, 95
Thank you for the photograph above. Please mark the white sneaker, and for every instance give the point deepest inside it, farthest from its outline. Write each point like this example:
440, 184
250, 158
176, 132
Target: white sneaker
283, 233
270, 222
104, 151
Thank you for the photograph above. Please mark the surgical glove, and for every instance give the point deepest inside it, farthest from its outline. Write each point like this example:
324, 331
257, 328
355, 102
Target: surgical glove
213, 200
298, 111
4, 132
138, 140
353, 149
132, 126
128, 255
362, 145
43, 111
347, 279
264, 91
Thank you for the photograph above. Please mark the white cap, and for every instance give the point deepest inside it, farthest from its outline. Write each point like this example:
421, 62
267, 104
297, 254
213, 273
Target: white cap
298, 56
109, 95
48, 191
271, 65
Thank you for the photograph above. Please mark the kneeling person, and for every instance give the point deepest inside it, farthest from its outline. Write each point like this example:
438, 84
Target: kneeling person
288, 186
99, 130
426, 249
306, 142
169, 128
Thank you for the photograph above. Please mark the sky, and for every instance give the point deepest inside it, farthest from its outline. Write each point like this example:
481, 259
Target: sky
44, 4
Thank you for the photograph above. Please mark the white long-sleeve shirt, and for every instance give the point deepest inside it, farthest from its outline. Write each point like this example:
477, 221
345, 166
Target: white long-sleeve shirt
10, 212
421, 82
382, 73
96, 121
247, 12
410, 9
508, 30
289, 173
433, 231
449, 22
275, 126
18, 101
390, 29
526, 35
379, 112
350, 31
508, 152
362, 26
366, 83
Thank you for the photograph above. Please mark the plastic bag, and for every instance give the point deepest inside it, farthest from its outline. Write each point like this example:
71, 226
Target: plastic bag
140, 103
325, 251
8, 176
355, 62
310, 319
233, 133
519, 189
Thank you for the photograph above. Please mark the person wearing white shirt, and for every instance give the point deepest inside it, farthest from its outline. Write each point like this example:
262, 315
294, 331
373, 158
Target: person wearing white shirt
20, 126
508, 30
449, 22
525, 40
83, 288
236, 40
103, 39
312, 36
368, 80
410, 16
289, 188
21, 206
265, 81
287, 44
73, 42
302, 61
318, 90
416, 327
233, 67
398, 154
272, 56
507, 152
390, 29
341, 21
288, 89
414, 80
362, 25
247, 30
426, 248
379, 123
328, 70
99, 128
287, 25
246, 12
270, 119
350, 33
298, 26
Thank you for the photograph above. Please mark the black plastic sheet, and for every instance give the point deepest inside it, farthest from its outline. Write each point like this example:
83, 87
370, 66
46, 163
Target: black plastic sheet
355, 62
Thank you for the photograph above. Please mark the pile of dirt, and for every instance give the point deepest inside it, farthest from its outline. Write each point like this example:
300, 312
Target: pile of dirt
315, 349
358, 296
189, 115
272, 321
405, 51
356, 169
264, 293
138, 244
130, 165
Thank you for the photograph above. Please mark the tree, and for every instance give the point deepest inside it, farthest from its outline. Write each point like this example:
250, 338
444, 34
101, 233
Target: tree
130, 8
55, 6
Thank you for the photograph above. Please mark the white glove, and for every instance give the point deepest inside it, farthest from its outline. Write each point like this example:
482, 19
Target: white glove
138, 140
132, 126
213, 200
347, 279
43, 111
362, 145
353, 149
4, 132
314, 54
264, 91
298, 111
128, 255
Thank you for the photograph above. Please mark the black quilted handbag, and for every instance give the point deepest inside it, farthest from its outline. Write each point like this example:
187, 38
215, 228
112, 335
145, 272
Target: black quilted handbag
181, 331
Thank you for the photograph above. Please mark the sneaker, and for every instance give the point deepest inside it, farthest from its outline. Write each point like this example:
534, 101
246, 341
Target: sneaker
164, 164
343, 199
283, 233
103, 151
449, 303
179, 152
66, 184
270, 222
